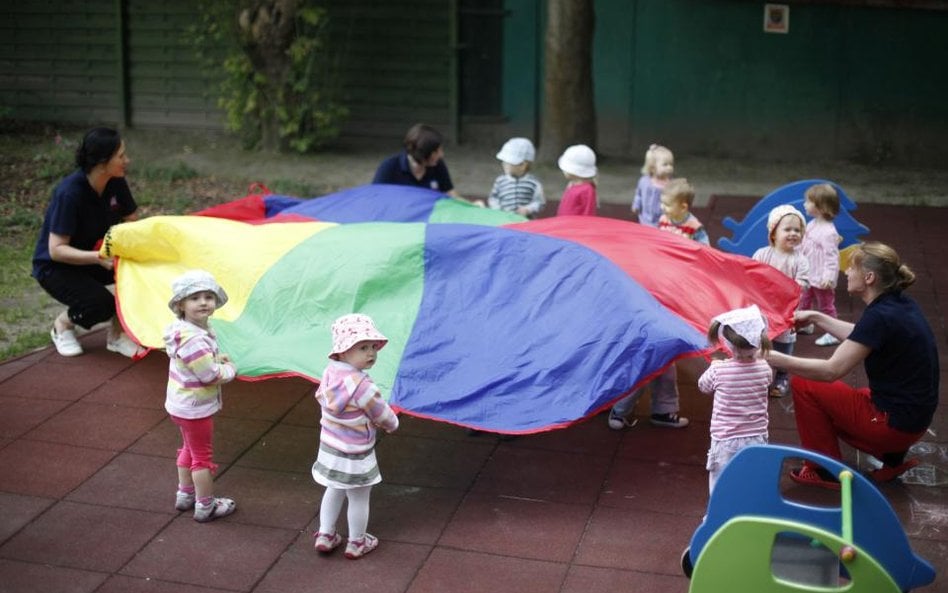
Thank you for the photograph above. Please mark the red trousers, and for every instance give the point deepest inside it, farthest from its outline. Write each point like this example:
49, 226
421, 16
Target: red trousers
197, 450
828, 412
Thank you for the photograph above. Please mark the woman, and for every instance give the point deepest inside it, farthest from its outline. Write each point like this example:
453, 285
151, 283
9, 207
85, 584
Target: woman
420, 164
66, 260
897, 347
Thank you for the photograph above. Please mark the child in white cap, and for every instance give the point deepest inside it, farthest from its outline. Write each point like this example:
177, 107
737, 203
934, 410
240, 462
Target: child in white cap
785, 228
739, 385
195, 374
352, 409
517, 190
578, 164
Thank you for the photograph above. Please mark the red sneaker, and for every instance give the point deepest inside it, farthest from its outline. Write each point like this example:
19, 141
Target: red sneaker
809, 476
887, 473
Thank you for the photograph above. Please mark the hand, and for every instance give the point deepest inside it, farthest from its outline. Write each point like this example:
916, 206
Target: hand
826, 284
803, 318
523, 211
108, 263
225, 359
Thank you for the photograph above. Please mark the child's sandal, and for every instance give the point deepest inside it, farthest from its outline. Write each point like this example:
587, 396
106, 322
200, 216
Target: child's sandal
326, 542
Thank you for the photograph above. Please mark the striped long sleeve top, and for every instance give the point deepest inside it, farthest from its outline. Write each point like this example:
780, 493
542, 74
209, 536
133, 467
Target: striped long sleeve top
352, 408
510, 193
740, 397
194, 371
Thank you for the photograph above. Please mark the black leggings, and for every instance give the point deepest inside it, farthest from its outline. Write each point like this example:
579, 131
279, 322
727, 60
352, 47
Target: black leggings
83, 290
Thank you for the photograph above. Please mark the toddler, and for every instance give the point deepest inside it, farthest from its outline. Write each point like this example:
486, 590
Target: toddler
656, 173
676, 201
195, 373
739, 385
578, 164
517, 190
352, 408
785, 228
821, 249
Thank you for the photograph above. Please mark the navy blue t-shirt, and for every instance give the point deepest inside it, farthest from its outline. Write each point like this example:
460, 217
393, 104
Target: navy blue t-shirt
78, 212
396, 170
903, 365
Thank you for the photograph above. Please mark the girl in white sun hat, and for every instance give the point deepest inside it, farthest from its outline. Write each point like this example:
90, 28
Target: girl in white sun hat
517, 190
352, 409
578, 164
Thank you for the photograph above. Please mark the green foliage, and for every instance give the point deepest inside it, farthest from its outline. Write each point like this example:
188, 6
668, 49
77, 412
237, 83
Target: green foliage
290, 103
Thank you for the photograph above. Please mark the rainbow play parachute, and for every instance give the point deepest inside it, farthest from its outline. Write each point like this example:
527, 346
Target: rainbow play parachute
506, 325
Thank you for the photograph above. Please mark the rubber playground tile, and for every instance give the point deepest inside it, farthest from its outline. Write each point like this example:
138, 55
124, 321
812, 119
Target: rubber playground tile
154, 480
461, 571
19, 415
646, 485
125, 584
18, 511
28, 577
283, 448
434, 463
408, 513
286, 500
117, 427
589, 579
63, 467
586, 438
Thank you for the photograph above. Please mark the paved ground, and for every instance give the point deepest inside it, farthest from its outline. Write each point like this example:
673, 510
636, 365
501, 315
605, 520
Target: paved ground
87, 480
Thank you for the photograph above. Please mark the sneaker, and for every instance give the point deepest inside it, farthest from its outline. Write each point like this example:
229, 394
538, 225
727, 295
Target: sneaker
780, 387
887, 473
826, 340
218, 507
66, 342
327, 542
811, 477
620, 423
184, 501
125, 346
669, 420
362, 546
807, 329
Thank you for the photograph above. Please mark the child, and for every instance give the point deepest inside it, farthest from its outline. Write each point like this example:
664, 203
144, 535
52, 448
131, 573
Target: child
739, 385
821, 249
195, 373
578, 164
676, 201
656, 172
352, 408
517, 190
785, 228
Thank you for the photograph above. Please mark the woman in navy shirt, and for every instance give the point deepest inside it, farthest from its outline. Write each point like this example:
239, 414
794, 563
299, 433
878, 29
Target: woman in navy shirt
66, 260
896, 345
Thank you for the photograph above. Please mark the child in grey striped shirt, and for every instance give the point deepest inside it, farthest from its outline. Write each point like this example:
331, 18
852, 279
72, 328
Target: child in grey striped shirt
517, 190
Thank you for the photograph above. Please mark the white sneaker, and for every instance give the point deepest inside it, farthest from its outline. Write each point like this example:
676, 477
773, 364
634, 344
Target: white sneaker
124, 346
807, 329
66, 342
619, 423
826, 340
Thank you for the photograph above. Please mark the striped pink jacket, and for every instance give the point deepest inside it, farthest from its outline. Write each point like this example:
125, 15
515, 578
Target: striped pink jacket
352, 408
740, 397
194, 373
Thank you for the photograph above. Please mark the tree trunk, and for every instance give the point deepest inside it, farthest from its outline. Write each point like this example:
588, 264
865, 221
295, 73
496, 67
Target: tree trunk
569, 115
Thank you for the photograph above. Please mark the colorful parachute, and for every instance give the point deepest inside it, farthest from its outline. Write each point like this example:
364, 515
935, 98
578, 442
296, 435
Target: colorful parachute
517, 328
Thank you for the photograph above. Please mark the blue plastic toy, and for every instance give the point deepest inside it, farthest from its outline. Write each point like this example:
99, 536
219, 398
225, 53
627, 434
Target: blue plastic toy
750, 485
750, 234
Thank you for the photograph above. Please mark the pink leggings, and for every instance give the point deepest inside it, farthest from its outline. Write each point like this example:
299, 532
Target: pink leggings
827, 412
197, 448
821, 299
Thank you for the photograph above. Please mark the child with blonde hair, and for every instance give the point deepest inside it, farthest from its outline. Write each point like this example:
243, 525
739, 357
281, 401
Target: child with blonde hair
196, 371
352, 410
578, 164
821, 249
656, 173
676, 201
517, 190
739, 385
785, 229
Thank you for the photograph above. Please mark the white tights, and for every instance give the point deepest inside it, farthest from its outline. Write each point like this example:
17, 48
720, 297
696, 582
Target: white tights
358, 512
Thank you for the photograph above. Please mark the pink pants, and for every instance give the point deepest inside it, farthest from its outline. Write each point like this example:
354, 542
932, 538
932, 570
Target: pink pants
827, 412
820, 299
197, 448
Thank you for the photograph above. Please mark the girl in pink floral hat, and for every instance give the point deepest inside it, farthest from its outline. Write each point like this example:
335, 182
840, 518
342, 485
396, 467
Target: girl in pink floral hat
352, 410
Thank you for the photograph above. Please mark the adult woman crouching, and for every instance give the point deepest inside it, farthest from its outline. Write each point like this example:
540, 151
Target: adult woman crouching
66, 261
896, 345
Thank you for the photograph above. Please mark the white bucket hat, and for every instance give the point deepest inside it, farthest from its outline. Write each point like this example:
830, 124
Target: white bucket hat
773, 219
578, 160
748, 323
194, 281
349, 330
517, 150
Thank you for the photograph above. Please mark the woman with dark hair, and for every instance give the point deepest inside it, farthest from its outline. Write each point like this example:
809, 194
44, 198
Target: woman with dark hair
896, 345
420, 164
66, 260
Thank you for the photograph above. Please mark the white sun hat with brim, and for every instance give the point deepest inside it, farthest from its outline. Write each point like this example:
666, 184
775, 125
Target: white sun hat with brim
194, 281
349, 330
579, 160
517, 150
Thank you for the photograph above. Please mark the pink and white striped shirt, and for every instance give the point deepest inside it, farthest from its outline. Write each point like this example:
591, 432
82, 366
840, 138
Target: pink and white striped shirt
194, 372
740, 397
352, 408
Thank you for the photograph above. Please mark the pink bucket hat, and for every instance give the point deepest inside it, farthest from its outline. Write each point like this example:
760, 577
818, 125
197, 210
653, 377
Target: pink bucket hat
349, 330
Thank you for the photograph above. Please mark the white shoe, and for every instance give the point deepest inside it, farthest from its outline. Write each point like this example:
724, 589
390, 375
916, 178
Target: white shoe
806, 330
66, 342
619, 423
826, 340
124, 346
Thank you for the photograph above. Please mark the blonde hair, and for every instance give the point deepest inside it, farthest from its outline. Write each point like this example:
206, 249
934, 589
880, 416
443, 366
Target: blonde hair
680, 190
825, 199
651, 157
884, 262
